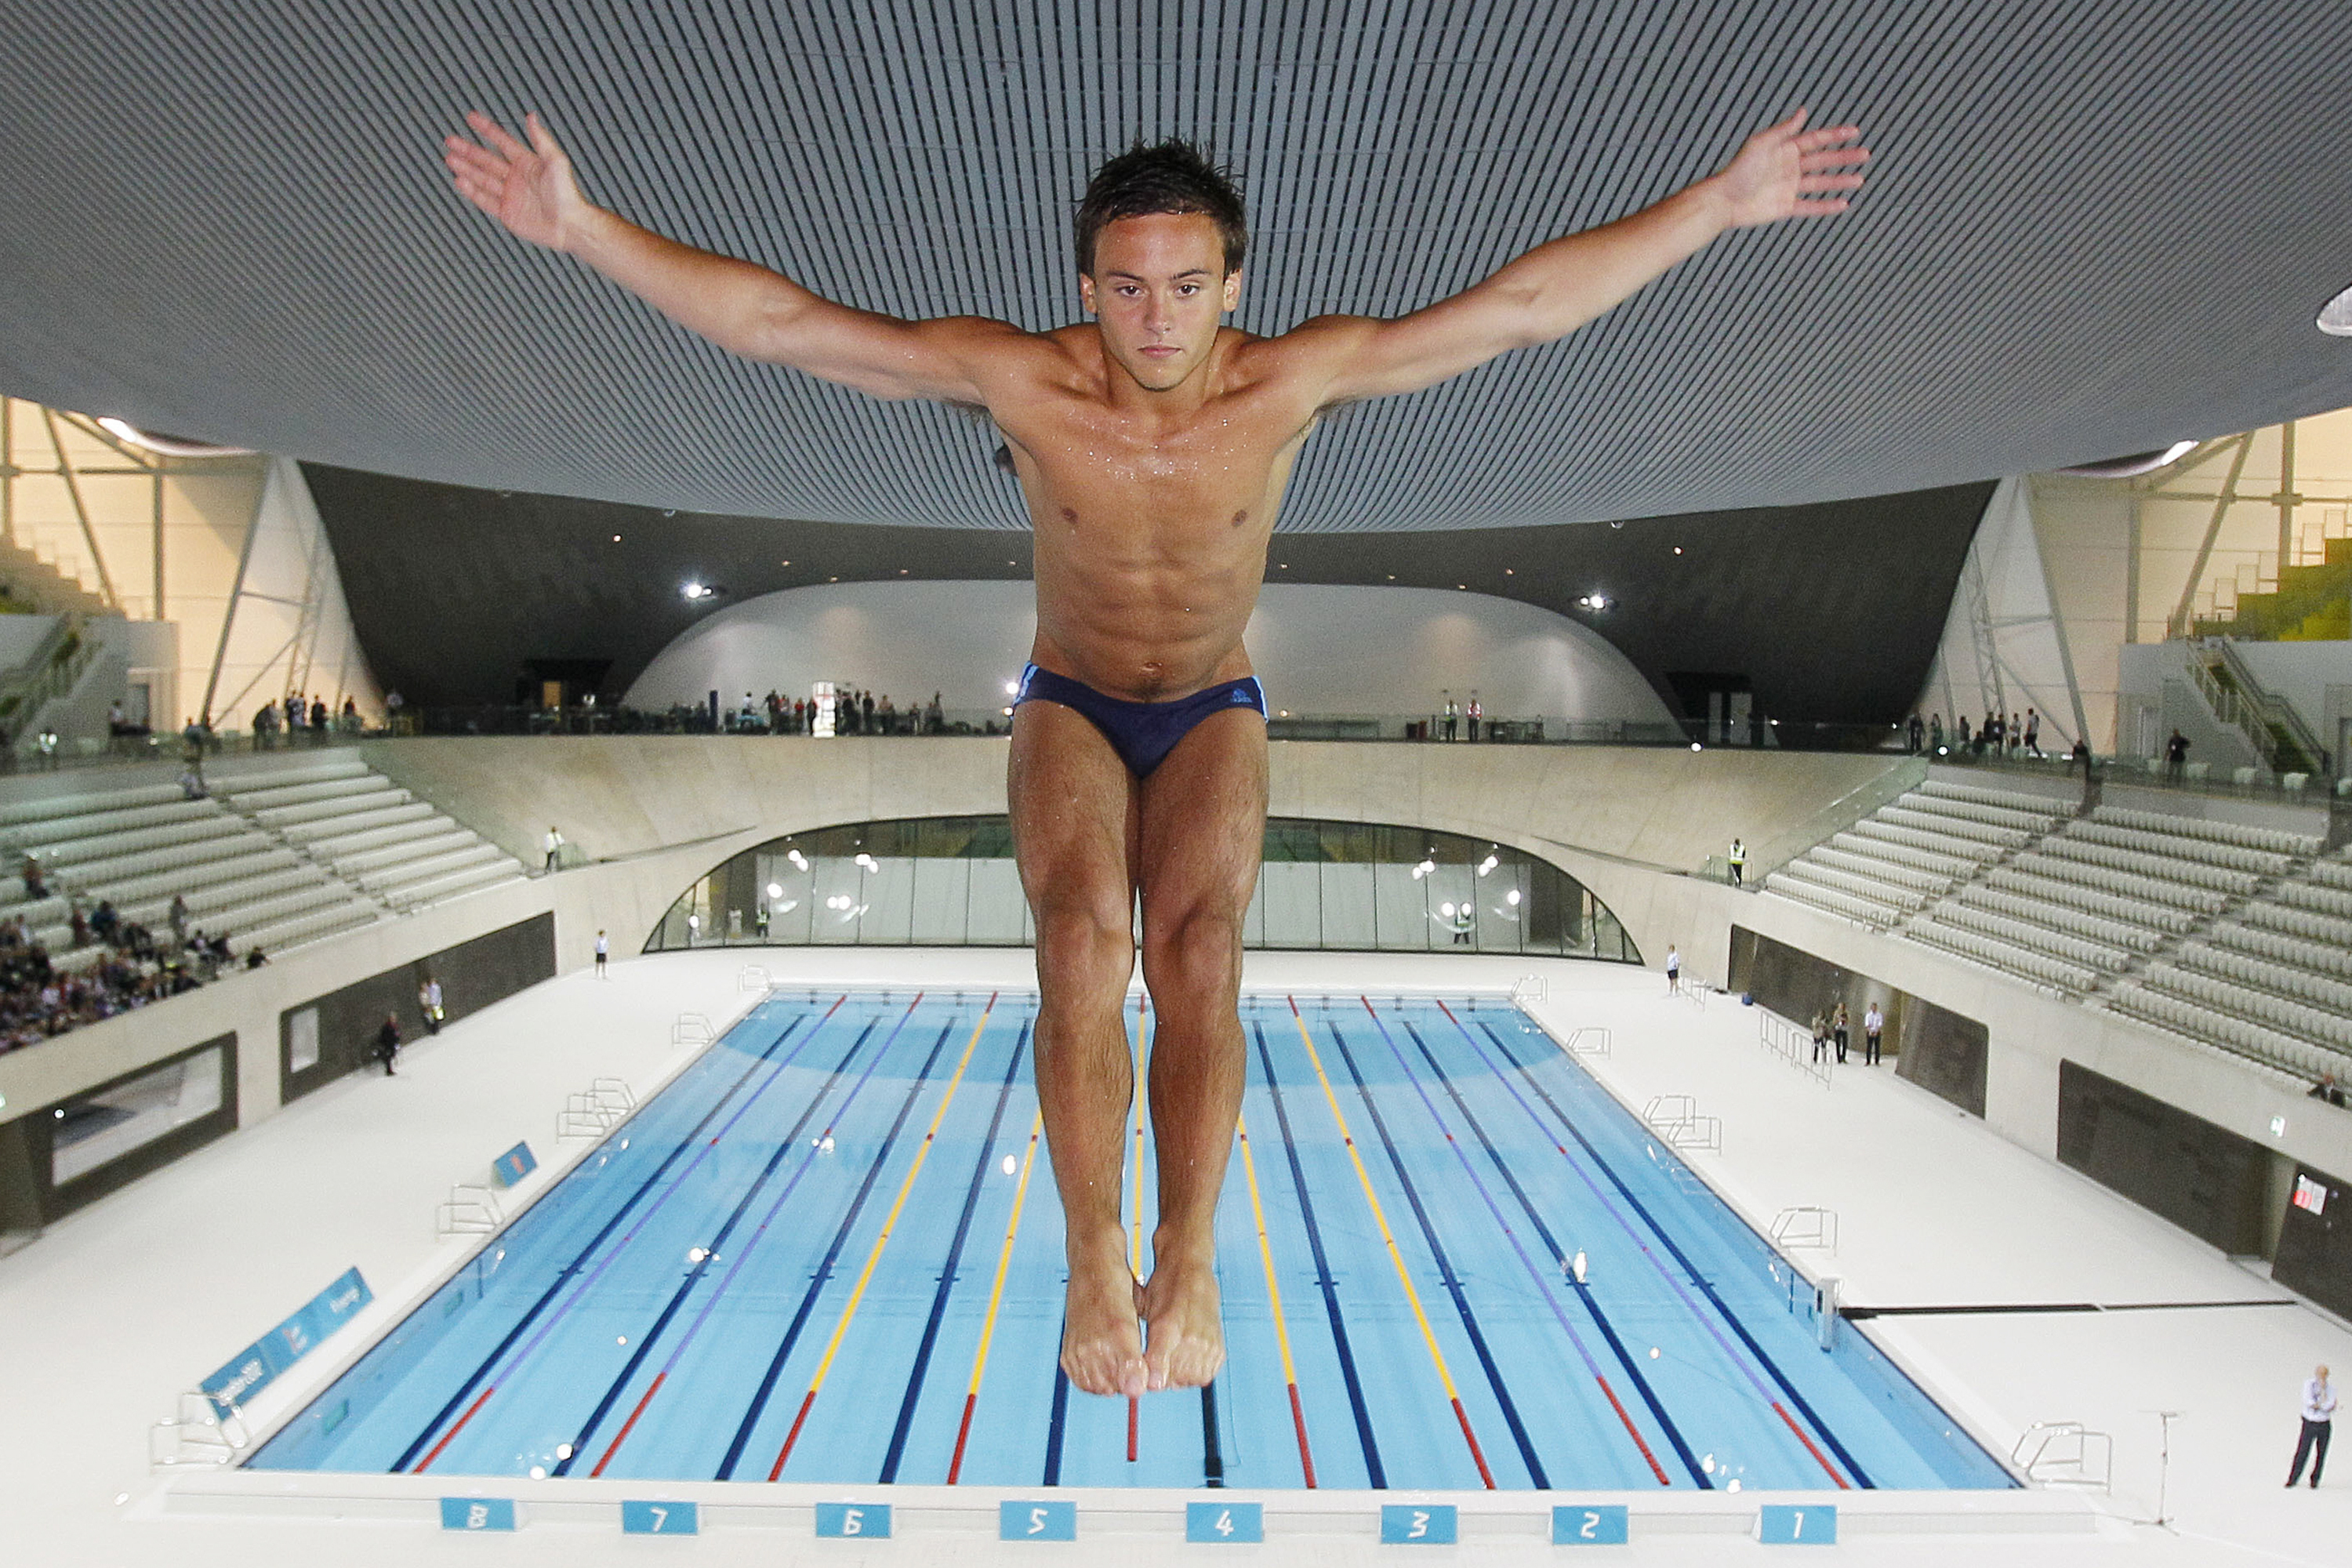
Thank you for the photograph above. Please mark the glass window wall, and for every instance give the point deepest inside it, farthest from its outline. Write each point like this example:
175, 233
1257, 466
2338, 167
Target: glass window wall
1325, 886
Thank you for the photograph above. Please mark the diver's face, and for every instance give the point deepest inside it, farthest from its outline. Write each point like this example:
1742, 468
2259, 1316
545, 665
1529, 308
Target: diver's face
1157, 292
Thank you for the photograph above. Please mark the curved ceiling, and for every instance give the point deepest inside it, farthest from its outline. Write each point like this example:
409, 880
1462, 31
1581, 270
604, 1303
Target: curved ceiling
2096, 226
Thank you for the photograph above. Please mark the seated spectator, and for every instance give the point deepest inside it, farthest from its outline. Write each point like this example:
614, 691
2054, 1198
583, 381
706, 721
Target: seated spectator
192, 784
2326, 1091
80, 923
105, 922
255, 958
35, 885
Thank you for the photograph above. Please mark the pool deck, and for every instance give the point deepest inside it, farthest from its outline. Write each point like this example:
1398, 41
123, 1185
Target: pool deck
123, 1304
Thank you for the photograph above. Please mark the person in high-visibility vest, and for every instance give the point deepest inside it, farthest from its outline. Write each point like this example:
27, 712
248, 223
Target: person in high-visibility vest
1738, 864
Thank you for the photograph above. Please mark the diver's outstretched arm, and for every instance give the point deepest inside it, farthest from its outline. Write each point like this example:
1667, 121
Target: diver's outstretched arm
1782, 172
528, 186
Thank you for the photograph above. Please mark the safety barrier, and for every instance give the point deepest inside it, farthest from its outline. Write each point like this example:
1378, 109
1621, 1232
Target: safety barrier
754, 977
1793, 1045
691, 1030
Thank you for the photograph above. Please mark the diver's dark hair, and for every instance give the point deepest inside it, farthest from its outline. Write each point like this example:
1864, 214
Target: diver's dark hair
1172, 177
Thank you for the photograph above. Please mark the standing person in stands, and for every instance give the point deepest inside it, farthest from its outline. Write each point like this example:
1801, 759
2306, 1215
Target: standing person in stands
1153, 447
1453, 715
554, 846
1674, 969
1839, 1031
37, 885
603, 950
1873, 1024
1738, 860
319, 720
2032, 733
428, 1003
2176, 756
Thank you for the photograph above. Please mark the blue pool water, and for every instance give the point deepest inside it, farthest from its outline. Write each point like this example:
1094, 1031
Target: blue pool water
830, 1251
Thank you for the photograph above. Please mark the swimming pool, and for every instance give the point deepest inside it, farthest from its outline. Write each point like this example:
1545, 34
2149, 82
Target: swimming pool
830, 1251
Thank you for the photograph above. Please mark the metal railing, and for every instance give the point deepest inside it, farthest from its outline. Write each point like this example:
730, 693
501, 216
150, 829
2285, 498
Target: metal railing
1769, 855
51, 671
2065, 1454
2254, 711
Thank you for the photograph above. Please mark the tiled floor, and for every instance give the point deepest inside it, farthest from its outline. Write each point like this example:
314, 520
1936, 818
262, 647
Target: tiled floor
119, 1307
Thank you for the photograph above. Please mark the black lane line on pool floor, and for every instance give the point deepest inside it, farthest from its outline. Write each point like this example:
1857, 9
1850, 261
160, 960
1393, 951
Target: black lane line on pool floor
1552, 1243
695, 1274
832, 1255
564, 1274
1323, 1281
1057, 1423
1445, 1273
1704, 1286
980, 1170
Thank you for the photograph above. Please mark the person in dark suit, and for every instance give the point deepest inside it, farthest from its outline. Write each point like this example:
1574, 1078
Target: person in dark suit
387, 1043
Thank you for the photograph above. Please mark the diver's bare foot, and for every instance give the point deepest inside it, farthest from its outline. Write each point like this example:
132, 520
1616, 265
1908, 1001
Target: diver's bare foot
1102, 1341
1185, 1328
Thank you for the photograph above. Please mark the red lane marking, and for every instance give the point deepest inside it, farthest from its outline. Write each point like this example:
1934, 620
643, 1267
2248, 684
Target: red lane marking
1807, 1442
963, 1432
1298, 1419
1130, 1428
453, 1431
1655, 1469
1476, 1452
792, 1437
623, 1436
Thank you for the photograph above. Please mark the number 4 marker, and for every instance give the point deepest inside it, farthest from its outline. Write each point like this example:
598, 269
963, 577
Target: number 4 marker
1219, 1522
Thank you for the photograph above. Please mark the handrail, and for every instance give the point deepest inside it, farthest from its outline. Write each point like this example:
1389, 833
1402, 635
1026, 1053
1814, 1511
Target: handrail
1769, 855
52, 670
2270, 708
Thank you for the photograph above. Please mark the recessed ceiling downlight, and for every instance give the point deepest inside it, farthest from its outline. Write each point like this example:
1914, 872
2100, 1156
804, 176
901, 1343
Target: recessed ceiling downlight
2335, 316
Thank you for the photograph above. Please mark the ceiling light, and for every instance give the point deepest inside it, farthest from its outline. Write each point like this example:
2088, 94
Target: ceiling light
2335, 316
2134, 464
1678, 550
1512, 898
775, 890
1595, 602
616, 539
166, 446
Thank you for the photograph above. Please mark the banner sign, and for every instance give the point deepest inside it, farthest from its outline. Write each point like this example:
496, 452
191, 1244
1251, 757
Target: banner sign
261, 1363
513, 1166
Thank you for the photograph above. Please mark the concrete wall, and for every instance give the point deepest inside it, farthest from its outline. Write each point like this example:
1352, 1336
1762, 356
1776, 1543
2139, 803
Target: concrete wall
2030, 1032
658, 812
1318, 650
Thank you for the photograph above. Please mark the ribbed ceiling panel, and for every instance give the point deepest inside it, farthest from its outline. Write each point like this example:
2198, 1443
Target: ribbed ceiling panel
2095, 226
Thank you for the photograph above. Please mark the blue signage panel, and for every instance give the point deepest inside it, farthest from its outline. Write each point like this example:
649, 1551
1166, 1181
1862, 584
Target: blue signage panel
1417, 1525
843, 1518
659, 1519
1036, 1521
1588, 1525
477, 1513
1797, 1525
1215, 1521
260, 1362
514, 1165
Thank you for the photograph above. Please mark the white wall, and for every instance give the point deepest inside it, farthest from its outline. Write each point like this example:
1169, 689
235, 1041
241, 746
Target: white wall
1319, 650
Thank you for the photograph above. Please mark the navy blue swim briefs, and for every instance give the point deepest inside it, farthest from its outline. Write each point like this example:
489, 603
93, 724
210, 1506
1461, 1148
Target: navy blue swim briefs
1142, 733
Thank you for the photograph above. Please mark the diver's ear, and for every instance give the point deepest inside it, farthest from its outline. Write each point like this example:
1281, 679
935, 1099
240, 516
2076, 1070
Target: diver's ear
1087, 293
1233, 288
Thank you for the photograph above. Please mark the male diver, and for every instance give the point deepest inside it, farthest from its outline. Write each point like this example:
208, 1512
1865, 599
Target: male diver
1152, 445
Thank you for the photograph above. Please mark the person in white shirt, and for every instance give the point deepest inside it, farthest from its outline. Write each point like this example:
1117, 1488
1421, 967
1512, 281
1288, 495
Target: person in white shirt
603, 950
2319, 1421
555, 849
1873, 1024
1674, 969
